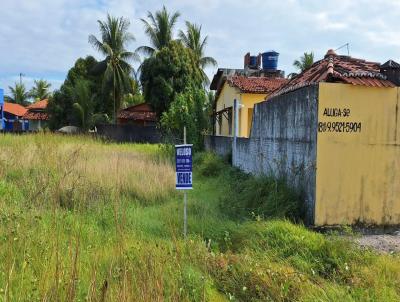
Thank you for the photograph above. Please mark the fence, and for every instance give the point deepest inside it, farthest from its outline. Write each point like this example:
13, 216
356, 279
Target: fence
130, 133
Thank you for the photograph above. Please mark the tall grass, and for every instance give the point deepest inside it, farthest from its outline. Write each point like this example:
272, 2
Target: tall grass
82, 220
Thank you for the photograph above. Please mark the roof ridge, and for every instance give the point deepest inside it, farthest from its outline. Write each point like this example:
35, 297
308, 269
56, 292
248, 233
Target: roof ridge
338, 68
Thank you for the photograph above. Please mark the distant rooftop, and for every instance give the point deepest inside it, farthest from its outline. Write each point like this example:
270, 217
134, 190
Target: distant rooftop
14, 109
39, 105
256, 84
338, 68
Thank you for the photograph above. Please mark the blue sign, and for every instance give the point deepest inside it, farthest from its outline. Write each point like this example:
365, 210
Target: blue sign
1, 96
183, 160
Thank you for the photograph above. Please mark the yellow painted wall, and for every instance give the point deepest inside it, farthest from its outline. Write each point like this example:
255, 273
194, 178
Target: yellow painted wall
358, 172
248, 100
225, 100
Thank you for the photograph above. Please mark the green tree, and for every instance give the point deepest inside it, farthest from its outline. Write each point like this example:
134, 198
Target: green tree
19, 94
40, 90
117, 63
60, 106
169, 72
305, 62
133, 98
187, 110
209, 111
192, 39
160, 30
84, 105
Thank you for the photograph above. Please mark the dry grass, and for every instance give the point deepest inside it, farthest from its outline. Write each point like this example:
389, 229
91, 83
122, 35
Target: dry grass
81, 220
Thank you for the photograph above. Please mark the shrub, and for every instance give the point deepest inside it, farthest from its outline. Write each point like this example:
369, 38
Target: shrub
305, 250
209, 164
261, 197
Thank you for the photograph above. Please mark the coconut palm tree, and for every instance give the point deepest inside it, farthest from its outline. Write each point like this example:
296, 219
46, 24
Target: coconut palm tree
19, 94
40, 90
83, 105
159, 28
305, 61
116, 66
192, 39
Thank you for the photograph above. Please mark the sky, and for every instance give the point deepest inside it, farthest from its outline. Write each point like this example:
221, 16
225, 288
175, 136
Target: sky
43, 38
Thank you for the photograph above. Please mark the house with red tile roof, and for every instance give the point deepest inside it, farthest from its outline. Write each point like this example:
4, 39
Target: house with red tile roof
37, 115
248, 86
335, 68
140, 114
12, 117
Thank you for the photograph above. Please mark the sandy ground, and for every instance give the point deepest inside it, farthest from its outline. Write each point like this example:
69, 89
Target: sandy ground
383, 243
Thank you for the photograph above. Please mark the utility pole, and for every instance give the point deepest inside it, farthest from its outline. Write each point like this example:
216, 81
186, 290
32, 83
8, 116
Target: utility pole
236, 107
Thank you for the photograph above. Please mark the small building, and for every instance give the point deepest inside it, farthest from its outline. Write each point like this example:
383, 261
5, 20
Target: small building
37, 115
12, 117
248, 86
141, 114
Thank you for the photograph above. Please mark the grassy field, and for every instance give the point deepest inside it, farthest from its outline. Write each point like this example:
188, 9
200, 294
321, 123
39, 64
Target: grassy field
81, 220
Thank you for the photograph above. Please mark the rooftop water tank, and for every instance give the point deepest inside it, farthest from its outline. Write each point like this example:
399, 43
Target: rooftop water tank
253, 61
270, 60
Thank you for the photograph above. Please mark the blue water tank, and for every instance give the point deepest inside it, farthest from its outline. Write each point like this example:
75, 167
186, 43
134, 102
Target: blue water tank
253, 60
270, 60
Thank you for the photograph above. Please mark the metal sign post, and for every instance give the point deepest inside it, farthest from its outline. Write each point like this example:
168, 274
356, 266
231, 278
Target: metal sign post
183, 162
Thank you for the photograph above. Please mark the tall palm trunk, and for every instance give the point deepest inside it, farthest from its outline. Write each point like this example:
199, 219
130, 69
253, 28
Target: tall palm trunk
115, 100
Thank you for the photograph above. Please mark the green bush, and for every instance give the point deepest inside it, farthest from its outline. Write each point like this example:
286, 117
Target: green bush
247, 196
261, 197
209, 164
307, 251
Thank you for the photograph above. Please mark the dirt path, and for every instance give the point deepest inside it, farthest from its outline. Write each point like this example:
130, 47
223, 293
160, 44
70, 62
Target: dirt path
382, 243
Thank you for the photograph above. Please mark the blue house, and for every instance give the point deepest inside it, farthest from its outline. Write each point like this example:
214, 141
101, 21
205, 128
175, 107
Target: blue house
12, 116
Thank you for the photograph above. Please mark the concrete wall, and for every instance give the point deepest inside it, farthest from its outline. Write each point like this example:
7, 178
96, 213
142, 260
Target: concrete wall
221, 145
358, 160
283, 141
130, 133
36, 125
339, 143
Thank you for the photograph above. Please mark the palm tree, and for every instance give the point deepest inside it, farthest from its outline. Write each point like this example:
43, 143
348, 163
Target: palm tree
305, 61
117, 63
192, 40
159, 29
83, 105
40, 90
19, 94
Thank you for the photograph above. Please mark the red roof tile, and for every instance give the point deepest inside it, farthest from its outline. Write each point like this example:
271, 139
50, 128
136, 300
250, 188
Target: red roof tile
342, 69
143, 116
14, 109
142, 112
256, 84
36, 115
39, 105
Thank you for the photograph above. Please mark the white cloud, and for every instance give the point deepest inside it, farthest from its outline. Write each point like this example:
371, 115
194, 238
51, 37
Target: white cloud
43, 38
